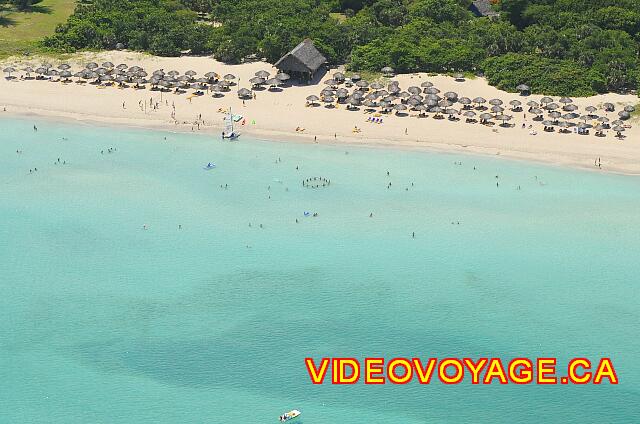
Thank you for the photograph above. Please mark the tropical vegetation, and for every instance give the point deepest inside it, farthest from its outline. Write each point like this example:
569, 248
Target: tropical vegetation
567, 47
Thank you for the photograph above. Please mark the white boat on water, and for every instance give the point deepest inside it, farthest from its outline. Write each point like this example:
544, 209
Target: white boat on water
228, 131
290, 416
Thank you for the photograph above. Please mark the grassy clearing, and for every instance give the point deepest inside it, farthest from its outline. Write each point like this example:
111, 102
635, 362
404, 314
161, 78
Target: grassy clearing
340, 17
20, 31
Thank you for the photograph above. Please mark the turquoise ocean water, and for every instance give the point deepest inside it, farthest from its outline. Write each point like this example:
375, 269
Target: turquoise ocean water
102, 321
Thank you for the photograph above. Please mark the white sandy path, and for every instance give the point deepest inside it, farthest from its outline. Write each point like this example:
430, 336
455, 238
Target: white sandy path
277, 114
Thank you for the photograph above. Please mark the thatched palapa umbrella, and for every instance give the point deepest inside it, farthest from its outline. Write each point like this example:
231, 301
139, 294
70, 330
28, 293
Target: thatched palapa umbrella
451, 95
273, 82
28, 70
479, 100
256, 80
244, 93
313, 99
504, 118
66, 74
328, 100
465, 102
216, 90
431, 90
9, 70
354, 101
342, 93
451, 111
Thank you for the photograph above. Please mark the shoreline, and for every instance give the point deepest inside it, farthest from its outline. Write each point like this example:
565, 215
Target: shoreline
274, 136
274, 116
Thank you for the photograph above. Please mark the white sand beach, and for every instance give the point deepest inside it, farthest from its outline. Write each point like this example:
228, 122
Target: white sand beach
277, 115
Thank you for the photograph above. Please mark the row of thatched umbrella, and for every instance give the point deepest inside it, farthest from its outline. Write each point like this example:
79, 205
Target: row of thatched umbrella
428, 98
122, 73
413, 96
108, 68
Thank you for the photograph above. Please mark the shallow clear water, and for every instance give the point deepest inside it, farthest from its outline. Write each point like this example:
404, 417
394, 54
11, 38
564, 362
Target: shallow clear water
104, 322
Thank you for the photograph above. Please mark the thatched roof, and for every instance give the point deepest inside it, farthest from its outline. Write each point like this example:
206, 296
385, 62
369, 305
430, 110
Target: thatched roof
483, 8
303, 58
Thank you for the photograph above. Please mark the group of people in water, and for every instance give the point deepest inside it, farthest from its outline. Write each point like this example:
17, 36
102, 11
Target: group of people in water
109, 150
316, 182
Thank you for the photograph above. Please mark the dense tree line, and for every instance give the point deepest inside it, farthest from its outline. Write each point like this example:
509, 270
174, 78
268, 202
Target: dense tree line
555, 46
20, 4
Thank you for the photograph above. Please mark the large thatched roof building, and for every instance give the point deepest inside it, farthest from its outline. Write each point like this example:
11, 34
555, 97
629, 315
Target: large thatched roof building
302, 62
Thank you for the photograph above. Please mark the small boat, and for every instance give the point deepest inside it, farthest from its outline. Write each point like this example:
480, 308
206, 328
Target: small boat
229, 132
209, 166
289, 416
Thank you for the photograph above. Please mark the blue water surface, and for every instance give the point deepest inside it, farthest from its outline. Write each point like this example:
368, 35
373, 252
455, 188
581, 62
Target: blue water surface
208, 313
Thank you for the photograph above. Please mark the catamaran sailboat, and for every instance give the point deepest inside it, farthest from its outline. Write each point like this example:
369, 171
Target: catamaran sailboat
289, 416
228, 131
